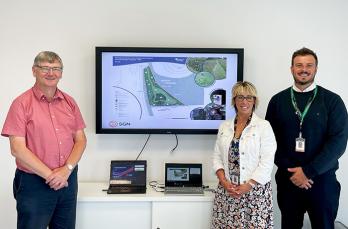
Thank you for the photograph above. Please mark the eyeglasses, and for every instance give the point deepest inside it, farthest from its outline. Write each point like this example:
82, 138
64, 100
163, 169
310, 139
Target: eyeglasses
46, 69
248, 98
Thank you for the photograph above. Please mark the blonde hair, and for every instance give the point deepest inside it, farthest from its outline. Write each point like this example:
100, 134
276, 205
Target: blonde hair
244, 87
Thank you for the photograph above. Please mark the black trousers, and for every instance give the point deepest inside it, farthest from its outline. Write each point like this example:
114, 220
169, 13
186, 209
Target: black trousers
320, 202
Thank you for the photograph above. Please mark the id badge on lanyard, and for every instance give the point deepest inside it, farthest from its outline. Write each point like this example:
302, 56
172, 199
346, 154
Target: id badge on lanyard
300, 142
234, 178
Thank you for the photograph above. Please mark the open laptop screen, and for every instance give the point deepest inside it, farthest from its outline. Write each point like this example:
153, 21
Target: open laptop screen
128, 173
180, 174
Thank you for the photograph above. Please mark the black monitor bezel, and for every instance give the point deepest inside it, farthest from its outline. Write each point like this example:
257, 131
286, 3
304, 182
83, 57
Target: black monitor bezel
98, 55
193, 182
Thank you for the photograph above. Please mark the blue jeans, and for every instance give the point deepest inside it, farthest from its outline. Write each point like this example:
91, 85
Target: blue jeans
39, 206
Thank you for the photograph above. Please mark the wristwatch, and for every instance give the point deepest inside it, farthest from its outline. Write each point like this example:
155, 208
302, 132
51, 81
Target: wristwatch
70, 166
251, 184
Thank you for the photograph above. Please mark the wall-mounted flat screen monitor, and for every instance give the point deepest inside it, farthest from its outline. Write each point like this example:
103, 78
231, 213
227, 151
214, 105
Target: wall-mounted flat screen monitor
165, 90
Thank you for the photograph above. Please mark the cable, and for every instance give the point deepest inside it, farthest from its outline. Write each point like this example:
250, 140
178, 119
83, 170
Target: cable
143, 147
156, 186
176, 145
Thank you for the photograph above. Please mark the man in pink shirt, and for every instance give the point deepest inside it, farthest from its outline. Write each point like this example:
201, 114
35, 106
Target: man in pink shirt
46, 133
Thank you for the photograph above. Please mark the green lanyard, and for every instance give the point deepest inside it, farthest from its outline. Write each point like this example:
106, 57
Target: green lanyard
301, 115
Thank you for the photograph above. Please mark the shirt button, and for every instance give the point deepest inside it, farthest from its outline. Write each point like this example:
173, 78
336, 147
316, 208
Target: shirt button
244, 181
57, 129
53, 116
242, 167
242, 153
60, 143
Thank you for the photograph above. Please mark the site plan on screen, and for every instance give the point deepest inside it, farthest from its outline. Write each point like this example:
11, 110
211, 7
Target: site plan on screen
175, 88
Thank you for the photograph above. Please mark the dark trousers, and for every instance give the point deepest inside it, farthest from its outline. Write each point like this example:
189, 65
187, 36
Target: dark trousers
39, 206
320, 202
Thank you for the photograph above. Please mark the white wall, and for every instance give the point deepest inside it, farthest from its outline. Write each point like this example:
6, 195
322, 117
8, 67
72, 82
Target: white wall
269, 30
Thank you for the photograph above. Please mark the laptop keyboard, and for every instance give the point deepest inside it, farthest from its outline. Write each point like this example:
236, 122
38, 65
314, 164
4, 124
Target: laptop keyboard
184, 190
120, 190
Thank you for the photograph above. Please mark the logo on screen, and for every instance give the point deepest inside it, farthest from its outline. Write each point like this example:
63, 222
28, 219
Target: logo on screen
115, 124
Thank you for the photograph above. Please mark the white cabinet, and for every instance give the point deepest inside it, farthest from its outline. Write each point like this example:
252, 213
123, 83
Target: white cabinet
153, 210
111, 215
181, 214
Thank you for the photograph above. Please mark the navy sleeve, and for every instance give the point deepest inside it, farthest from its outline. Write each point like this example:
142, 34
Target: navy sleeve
336, 139
272, 115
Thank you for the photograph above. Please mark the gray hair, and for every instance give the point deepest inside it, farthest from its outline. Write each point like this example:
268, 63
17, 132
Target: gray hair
47, 56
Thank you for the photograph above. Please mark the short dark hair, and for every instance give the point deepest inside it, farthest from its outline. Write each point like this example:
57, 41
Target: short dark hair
304, 52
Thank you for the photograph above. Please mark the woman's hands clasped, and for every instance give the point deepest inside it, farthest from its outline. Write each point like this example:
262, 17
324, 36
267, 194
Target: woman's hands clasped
234, 190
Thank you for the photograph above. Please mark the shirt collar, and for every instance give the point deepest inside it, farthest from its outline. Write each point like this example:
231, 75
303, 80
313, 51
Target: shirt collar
310, 88
40, 95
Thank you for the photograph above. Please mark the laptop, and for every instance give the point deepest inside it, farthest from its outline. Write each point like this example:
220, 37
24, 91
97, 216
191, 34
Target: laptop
183, 179
127, 177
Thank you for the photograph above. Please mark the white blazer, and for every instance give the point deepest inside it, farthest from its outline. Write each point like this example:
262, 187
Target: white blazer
257, 147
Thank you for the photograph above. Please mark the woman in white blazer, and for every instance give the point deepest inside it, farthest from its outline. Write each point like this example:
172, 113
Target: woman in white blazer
243, 162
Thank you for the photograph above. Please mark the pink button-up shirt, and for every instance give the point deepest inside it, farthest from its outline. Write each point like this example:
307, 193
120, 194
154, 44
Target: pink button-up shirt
48, 127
